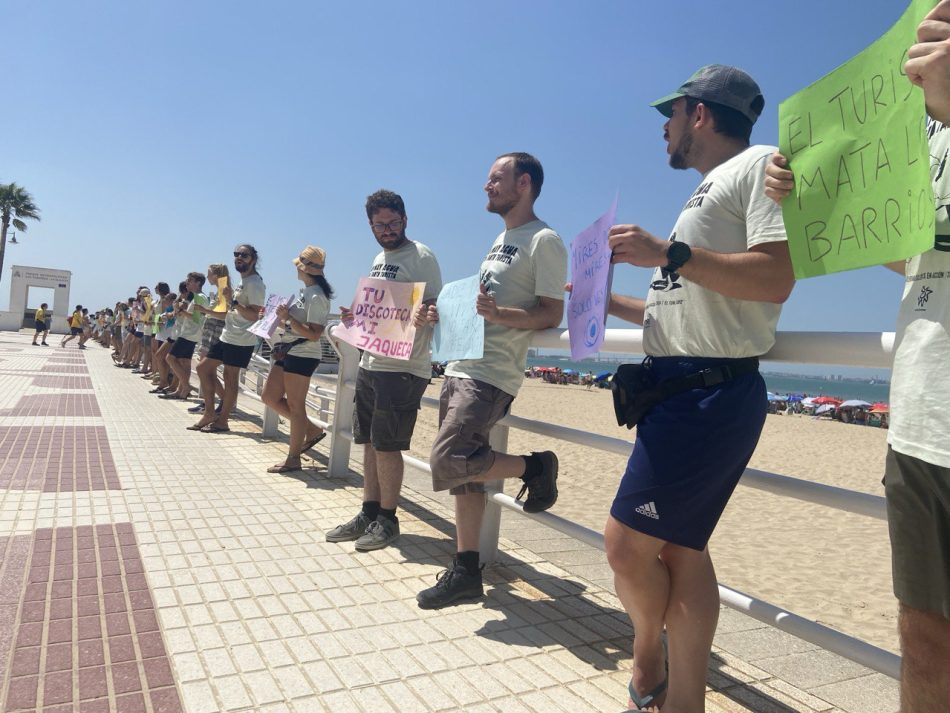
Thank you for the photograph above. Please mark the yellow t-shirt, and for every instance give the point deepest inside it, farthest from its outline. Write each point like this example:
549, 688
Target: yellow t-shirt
40, 315
76, 320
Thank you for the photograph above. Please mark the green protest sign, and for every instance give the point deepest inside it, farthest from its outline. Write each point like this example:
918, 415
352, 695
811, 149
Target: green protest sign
857, 144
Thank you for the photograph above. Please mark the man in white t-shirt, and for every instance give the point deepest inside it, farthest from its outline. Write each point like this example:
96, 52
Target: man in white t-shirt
389, 391
522, 290
712, 308
236, 345
917, 469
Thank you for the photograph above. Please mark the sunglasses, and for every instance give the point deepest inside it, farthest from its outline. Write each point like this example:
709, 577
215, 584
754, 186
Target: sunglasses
242, 254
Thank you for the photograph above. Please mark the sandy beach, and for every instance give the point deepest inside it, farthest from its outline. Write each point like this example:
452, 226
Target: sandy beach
823, 564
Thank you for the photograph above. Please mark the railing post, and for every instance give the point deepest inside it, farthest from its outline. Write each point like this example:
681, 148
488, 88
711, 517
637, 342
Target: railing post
491, 520
269, 428
343, 411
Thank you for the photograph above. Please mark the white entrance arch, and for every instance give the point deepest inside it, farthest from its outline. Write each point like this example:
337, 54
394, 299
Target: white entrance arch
22, 278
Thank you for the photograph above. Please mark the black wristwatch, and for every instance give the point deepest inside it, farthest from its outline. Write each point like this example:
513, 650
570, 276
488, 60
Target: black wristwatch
677, 255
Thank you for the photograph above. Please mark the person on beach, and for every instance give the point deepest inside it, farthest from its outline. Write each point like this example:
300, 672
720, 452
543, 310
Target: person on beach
389, 391
39, 320
522, 282
297, 355
75, 327
236, 345
211, 330
712, 308
917, 468
86, 327
191, 320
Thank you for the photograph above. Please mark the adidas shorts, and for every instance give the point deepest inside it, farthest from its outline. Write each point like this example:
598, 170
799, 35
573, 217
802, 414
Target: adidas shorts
689, 454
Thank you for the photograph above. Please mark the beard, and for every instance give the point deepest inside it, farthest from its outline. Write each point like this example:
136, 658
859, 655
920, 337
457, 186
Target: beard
679, 156
501, 205
391, 241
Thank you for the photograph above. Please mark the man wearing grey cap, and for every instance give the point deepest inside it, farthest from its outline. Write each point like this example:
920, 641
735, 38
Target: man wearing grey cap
711, 311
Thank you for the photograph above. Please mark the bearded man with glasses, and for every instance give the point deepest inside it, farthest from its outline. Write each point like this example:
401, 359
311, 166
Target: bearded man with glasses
389, 391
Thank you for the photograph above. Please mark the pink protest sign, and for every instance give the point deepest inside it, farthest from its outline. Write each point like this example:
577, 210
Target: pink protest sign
591, 273
382, 317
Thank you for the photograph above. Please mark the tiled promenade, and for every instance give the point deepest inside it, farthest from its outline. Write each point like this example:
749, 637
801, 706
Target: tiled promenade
144, 567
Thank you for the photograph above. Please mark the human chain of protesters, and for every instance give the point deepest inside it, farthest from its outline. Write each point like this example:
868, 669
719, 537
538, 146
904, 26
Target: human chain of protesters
698, 400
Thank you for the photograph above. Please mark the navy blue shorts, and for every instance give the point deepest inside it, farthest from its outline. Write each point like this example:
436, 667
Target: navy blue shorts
690, 452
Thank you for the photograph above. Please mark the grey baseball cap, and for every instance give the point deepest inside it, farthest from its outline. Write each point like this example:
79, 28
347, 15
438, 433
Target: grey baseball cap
720, 84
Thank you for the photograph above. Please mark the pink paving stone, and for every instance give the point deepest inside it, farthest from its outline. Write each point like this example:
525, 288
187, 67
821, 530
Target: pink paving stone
59, 657
114, 603
108, 553
145, 621
22, 692
165, 700
141, 600
136, 582
91, 653
92, 682
65, 708
132, 703
35, 593
112, 583
118, 623
158, 673
87, 587
108, 568
33, 611
63, 382
100, 706
30, 635
89, 628
61, 609
61, 590
121, 649
151, 645
88, 606
58, 687
125, 677
60, 631
26, 662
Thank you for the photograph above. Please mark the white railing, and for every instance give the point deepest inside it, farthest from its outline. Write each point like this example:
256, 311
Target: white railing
868, 349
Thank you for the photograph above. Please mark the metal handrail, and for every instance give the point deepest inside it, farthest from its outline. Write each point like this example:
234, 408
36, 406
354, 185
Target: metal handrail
850, 349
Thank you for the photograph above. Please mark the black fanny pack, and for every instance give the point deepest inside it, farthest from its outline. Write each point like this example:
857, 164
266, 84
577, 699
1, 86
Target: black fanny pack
636, 390
280, 350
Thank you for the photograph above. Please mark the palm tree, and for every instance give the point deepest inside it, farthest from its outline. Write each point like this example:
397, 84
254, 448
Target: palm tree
16, 205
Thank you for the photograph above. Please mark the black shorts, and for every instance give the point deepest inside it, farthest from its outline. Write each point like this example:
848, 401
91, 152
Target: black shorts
183, 349
231, 354
40, 326
387, 404
75, 330
146, 338
304, 366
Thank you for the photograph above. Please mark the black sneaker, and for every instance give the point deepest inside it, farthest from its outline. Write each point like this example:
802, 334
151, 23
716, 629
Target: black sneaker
451, 585
541, 489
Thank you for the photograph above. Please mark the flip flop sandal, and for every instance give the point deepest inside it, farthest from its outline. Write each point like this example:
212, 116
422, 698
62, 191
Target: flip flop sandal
641, 702
212, 428
313, 442
284, 468
197, 427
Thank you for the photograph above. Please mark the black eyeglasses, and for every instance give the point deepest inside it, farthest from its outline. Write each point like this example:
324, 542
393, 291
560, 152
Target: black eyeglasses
242, 254
383, 227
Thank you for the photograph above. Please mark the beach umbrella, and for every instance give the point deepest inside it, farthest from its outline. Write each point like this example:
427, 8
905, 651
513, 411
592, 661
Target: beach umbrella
793, 397
567, 371
822, 400
880, 407
603, 375
854, 403
824, 408
810, 401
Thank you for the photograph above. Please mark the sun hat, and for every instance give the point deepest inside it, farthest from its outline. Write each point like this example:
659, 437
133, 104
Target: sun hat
720, 84
311, 260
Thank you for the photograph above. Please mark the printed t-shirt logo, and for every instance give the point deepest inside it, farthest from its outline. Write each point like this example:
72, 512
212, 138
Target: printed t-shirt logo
502, 253
696, 200
924, 297
384, 271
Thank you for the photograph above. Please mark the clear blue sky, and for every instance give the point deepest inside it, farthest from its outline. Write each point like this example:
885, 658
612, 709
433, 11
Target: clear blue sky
155, 136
